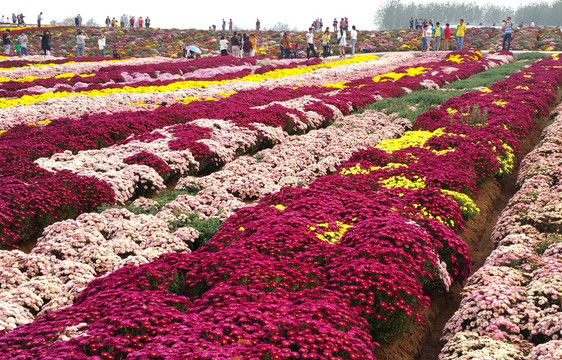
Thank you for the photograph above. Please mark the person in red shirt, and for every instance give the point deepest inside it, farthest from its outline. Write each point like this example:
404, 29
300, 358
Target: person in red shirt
447, 37
140, 22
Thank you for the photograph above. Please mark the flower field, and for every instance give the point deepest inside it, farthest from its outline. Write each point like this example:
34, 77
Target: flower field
338, 224
167, 43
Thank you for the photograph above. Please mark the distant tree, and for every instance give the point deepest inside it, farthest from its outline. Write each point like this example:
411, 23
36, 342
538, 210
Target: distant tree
395, 14
69, 21
280, 27
91, 22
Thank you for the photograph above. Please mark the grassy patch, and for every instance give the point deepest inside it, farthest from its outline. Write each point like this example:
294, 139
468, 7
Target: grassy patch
206, 227
487, 78
164, 197
531, 56
413, 104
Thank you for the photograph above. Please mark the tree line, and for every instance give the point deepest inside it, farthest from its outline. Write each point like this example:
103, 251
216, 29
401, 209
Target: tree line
396, 14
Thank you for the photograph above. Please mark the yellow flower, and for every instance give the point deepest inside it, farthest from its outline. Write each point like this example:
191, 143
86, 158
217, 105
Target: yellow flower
331, 237
410, 139
393, 76
500, 103
41, 122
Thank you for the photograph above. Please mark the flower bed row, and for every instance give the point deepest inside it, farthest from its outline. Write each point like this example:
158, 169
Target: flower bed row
313, 273
511, 307
36, 108
185, 150
117, 77
101, 243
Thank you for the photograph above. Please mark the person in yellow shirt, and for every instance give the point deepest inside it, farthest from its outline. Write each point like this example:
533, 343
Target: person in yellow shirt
254, 42
461, 27
437, 35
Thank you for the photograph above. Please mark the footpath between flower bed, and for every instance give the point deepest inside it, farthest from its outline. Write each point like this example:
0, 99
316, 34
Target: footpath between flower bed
324, 272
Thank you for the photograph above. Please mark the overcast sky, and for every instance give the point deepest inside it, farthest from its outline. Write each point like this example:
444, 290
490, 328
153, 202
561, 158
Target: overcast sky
201, 14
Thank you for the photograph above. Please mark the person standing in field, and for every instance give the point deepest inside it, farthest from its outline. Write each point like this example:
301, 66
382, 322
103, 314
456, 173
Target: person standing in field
437, 35
258, 24
326, 43
80, 43
223, 46
335, 24
353, 39
39, 18
342, 42
286, 42
310, 43
247, 46
235, 43
507, 30
424, 38
6, 41
147, 22
461, 28
230, 25
141, 22
22, 39
446, 37
254, 42
101, 44
46, 42
107, 21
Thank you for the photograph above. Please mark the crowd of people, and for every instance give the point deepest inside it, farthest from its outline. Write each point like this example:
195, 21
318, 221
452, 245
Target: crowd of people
435, 37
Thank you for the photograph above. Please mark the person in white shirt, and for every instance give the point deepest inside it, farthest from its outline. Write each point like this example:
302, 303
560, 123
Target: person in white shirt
22, 39
342, 42
310, 43
39, 18
353, 39
224, 46
428, 34
101, 44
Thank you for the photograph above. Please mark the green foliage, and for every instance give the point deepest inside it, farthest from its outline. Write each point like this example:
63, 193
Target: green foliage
411, 105
550, 240
206, 227
487, 78
395, 14
472, 115
530, 56
164, 197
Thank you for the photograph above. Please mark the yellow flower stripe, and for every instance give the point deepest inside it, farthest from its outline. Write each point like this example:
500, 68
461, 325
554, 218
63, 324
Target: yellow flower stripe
275, 74
463, 58
506, 161
393, 76
331, 237
468, 207
41, 122
356, 170
410, 139
403, 182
